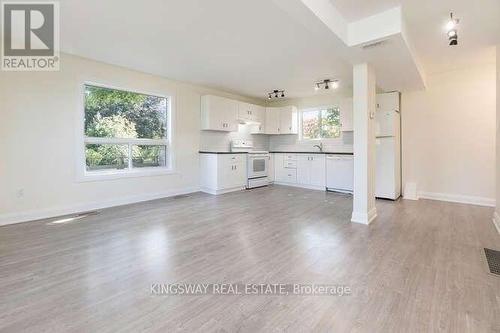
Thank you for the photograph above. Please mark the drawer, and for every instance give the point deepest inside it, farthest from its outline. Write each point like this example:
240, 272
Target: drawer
287, 176
290, 157
232, 158
289, 164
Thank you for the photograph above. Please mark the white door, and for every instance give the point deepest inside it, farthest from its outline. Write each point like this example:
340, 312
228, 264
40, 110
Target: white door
346, 114
385, 123
317, 170
272, 121
385, 176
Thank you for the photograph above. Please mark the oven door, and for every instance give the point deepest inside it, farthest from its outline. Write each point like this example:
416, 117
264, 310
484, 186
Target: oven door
257, 166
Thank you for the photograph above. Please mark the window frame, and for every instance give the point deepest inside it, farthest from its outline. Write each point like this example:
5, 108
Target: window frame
83, 175
333, 141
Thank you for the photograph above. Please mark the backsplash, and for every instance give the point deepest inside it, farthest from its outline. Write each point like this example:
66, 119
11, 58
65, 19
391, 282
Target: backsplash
221, 141
291, 143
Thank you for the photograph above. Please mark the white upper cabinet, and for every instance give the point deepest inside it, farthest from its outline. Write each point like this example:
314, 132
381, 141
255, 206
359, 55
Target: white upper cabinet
272, 121
346, 108
250, 113
282, 120
288, 120
219, 114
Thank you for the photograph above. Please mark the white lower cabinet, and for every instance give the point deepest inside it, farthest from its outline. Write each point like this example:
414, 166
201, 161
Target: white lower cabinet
285, 168
305, 170
222, 173
311, 170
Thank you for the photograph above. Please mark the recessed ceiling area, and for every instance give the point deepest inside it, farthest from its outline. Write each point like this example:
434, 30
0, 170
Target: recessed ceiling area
252, 47
353, 10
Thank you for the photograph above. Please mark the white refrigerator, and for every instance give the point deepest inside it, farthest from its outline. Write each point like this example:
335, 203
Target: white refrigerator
388, 146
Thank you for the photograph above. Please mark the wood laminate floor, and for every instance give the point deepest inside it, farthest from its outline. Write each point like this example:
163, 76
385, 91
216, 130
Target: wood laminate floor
419, 267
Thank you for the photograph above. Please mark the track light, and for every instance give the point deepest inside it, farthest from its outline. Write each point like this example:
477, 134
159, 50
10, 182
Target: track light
451, 30
276, 94
327, 84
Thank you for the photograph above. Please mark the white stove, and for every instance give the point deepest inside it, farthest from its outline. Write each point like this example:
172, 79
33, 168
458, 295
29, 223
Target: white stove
257, 163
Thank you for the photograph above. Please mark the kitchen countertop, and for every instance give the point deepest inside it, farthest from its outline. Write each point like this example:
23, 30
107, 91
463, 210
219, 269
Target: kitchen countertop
311, 152
279, 151
221, 152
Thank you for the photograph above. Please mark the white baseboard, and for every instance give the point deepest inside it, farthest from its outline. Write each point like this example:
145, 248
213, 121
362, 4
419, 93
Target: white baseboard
309, 187
12, 218
364, 218
217, 192
496, 221
466, 199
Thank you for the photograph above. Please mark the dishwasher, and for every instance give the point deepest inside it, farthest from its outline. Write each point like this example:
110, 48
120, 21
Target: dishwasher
339, 173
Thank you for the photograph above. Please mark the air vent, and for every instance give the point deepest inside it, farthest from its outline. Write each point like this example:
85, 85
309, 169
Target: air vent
493, 258
372, 45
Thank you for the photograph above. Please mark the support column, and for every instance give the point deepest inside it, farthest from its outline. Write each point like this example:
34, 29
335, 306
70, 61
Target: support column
496, 216
364, 210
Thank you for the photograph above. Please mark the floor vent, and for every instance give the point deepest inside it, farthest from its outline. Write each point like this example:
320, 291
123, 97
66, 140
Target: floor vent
181, 196
72, 218
493, 258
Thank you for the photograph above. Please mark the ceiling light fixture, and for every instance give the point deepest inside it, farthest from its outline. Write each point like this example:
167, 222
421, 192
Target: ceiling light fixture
451, 30
327, 84
277, 94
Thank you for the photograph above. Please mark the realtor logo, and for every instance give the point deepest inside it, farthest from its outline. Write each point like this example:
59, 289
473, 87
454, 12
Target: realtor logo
30, 36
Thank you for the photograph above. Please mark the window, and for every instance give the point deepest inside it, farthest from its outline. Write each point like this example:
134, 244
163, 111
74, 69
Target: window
321, 123
125, 132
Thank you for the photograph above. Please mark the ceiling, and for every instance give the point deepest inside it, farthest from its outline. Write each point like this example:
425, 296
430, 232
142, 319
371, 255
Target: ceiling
252, 47
353, 10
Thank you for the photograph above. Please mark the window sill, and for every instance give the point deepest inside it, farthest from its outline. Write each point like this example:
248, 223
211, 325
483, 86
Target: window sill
110, 175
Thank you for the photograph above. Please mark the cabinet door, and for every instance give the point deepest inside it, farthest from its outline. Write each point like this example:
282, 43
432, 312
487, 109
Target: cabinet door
317, 170
303, 169
245, 111
346, 114
258, 114
272, 121
288, 120
231, 115
231, 171
219, 113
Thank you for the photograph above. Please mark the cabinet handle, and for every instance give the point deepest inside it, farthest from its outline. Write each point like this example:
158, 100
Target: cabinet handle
235, 167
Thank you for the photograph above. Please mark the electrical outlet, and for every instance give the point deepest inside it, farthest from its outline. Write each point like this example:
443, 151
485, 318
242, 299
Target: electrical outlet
20, 193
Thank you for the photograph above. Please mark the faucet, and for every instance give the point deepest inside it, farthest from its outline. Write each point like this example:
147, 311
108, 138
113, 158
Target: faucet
320, 146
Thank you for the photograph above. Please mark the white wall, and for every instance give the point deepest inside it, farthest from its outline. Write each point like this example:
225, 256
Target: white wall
221, 141
292, 143
448, 134
38, 120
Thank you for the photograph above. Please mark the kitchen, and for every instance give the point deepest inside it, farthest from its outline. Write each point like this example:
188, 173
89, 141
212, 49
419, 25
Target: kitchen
245, 146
